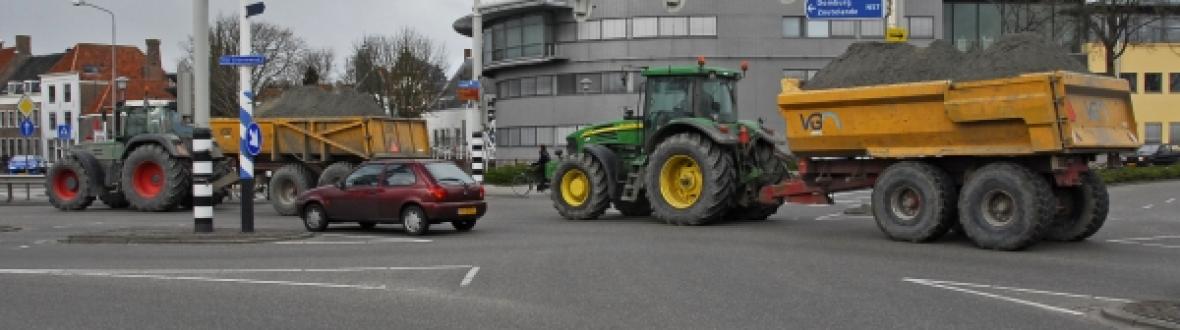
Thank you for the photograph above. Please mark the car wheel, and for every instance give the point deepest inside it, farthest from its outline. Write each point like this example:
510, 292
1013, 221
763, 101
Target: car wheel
314, 218
463, 225
367, 225
415, 221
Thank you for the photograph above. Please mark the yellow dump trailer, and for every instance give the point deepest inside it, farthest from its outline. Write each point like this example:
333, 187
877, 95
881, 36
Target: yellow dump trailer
1008, 159
302, 153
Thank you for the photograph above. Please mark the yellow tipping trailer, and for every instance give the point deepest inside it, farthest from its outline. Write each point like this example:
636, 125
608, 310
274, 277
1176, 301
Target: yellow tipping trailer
303, 153
1007, 159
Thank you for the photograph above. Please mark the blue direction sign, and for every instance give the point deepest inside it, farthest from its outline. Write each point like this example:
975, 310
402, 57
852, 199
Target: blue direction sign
465, 84
253, 143
242, 60
845, 9
63, 131
26, 127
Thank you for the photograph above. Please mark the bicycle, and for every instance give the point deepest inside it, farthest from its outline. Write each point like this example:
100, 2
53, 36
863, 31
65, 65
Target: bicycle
524, 183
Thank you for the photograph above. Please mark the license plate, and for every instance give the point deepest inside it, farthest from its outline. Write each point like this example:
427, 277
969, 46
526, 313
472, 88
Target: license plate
466, 211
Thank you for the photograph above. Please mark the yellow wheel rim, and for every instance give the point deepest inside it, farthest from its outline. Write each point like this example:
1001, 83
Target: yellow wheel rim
575, 187
681, 181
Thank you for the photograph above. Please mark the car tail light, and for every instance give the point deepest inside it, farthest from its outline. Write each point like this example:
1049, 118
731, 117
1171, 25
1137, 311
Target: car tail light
482, 192
743, 135
438, 193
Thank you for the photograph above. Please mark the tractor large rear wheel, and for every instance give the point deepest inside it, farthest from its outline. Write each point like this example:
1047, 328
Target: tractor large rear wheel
68, 186
286, 185
774, 170
690, 180
581, 191
154, 181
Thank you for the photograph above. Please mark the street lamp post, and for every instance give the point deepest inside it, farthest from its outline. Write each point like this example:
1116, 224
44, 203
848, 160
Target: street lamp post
114, 72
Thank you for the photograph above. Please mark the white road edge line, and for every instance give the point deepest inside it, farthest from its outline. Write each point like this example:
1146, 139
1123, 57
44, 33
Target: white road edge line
223, 280
469, 277
220, 271
994, 296
1051, 293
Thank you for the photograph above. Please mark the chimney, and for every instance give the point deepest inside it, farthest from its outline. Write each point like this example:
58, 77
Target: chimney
467, 53
153, 66
24, 44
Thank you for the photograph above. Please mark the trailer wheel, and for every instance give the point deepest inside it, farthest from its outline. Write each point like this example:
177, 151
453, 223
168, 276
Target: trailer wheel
335, 173
690, 180
914, 202
1081, 210
155, 181
115, 200
581, 191
68, 186
1006, 206
639, 208
287, 183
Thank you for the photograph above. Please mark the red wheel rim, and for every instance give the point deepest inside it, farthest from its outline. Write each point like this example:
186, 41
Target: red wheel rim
148, 179
65, 184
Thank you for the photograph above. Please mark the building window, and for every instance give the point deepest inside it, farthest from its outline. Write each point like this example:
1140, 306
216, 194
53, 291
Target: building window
817, 29
545, 85
528, 136
1153, 82
3, 119
545, 135
673, 26
844, 29
567, 84
702, 26
921, 26
801, 74
1152, 133
52, 94
614, 29
514, 88
52, 121
590, 30
872, 29
1174, 132
522, 37
645, 27
1174, 81
502, 89
566, 32
589, 83
792, 26
65, 92
1133, 79
614, 82
528, 86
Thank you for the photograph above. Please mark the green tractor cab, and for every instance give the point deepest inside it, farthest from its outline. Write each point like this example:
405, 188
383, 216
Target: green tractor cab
686, 157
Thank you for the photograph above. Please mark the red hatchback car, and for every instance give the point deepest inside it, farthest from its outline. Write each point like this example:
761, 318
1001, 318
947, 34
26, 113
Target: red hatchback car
414, 193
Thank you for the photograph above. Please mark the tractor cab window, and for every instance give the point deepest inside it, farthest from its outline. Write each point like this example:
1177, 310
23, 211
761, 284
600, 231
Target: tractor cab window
178, 126
134, 122
668, 98
717, 100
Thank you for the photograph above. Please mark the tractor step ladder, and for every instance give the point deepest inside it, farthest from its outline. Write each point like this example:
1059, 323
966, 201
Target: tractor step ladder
633, 185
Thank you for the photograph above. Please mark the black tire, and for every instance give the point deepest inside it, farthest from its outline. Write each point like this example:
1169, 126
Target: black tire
287, 183
774, 171
367, 225
415, 221
221, 169
719, 179
463, 225
315, 218
68, 186
595, 196
757, 212
335, 173
1019, 207
154, 181
914, 202
1082, 210
639, 208
115, 200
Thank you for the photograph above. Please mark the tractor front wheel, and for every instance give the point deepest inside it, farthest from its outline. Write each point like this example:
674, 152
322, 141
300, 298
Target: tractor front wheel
581, 191
690, 180
68, 186
154, 181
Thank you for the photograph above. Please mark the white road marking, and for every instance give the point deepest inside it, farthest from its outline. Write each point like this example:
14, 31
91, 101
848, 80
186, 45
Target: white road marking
818, 205
955, 286
354, 240
1148, 206
23, 246
1146, 241
1170, 200
469, 277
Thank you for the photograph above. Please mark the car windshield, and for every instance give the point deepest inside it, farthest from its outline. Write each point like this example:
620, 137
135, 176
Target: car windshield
1148, 149
447, 173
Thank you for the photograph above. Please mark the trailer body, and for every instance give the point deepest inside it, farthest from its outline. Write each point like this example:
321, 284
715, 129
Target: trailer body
322, 141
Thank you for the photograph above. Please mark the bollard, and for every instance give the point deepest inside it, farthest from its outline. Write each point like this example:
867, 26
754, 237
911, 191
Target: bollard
202, 180
477, 156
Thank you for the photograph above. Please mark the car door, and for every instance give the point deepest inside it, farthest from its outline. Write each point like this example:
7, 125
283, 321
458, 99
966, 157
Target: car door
401, 184
359, 189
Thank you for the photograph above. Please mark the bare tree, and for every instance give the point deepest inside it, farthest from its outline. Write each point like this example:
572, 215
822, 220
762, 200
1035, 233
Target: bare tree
405, 71
319, 60
1115, 24
283, 51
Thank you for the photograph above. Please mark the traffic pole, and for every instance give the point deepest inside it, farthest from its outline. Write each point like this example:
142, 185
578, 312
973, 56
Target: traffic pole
202, 180
246, 115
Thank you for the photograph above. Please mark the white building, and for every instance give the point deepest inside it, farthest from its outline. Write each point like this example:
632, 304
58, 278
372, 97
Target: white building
61, 104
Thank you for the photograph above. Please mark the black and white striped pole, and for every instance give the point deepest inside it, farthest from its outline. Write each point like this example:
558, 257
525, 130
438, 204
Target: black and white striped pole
477, 156
202, 180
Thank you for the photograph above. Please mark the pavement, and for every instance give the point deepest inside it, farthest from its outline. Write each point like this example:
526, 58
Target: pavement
525, 267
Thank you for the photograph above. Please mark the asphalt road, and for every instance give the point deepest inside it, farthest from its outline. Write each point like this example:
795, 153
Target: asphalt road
524, 267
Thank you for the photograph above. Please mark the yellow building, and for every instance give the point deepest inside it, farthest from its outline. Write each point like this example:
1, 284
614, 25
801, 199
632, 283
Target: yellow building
1154, 72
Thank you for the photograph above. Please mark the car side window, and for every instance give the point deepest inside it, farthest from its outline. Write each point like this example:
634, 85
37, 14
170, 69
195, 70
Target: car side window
367, 176
400, 175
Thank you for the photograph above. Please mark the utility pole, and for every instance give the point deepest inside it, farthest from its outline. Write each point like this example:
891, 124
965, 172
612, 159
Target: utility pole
477, 61
246, 118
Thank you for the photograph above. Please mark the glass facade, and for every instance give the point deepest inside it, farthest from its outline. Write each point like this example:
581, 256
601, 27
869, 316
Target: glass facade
977, 24
524, 37
616, 82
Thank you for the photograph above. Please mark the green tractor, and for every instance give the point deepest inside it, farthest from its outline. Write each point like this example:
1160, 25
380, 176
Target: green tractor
686, 158
146, 166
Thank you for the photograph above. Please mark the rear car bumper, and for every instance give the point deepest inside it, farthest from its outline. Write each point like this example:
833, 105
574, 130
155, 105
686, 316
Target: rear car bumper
445, 212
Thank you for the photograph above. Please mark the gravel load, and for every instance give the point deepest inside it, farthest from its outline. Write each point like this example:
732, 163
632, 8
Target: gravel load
310, 101
876, 63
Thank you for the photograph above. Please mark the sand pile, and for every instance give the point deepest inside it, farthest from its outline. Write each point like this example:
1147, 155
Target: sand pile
874, 63
310, 101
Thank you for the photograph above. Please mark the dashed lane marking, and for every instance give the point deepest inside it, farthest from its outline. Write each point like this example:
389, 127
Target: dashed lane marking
1170, 200
963, 288
1148, 241
1148, 206
469, 277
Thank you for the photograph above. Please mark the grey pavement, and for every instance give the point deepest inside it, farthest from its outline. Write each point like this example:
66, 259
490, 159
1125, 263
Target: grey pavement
525, 267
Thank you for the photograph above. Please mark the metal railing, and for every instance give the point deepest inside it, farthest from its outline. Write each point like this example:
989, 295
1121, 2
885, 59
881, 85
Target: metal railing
29, 181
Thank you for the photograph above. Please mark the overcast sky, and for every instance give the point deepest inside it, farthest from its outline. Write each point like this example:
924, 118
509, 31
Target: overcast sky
56, 24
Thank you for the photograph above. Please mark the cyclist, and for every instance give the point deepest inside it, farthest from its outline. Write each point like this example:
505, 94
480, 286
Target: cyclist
539, 169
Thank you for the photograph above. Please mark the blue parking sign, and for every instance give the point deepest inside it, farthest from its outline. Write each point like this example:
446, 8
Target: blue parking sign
26, 127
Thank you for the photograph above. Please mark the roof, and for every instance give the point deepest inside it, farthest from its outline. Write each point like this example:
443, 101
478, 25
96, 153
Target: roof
449, 98
660, 71
130, 61
34, 67
7, 55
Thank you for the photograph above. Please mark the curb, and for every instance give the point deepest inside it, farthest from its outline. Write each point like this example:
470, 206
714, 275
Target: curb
1118, 314
157, 236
